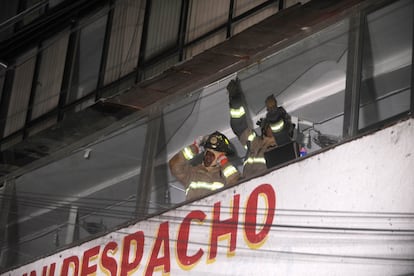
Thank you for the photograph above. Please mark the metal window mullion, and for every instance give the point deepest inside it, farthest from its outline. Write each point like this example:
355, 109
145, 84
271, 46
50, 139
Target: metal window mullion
143, 46
5, 98
281, 5
146, 179
185, 5
32, 93
230, 19
105, 51
68, 71
353, 75
412, 66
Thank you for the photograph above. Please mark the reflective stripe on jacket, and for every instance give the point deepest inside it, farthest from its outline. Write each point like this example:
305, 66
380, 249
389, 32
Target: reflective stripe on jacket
197, 180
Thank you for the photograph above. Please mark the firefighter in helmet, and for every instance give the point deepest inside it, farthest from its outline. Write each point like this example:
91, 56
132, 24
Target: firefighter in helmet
213, 173
276, 129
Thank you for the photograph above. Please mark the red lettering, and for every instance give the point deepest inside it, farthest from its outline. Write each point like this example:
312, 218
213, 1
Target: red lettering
108, 262
224, 227
250, 221
183, 236
87, 255
70, 262
136, 239
51, 270
162, 239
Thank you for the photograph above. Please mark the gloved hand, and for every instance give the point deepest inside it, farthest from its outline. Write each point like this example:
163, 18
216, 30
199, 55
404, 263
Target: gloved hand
199, 143
222, 160
234, 89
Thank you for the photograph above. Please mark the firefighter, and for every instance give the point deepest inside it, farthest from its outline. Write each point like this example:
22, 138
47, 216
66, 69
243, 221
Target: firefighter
276, 129
215, 171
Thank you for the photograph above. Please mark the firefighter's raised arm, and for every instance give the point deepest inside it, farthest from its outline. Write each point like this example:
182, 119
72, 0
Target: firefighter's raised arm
213, 173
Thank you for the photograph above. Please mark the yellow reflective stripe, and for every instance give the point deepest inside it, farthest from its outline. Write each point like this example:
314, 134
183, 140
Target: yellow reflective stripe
255, 160
204, 185
278, 126
229, 170
188, 153
251, 136
237, 112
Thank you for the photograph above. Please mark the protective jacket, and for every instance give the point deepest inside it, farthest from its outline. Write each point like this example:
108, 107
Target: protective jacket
280, 124
198, 180
278, 120
256, 146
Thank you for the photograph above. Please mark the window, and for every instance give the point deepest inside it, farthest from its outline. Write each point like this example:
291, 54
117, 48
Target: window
49, 78
92, 190
20, 92
386, 65
308, 80
87, 57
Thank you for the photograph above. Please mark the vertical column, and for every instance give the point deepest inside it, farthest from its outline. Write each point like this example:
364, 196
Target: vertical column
146, 180
353, 75
7, 199
412, 68
73, 228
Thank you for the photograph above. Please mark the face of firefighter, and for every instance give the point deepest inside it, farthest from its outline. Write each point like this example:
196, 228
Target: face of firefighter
210, 157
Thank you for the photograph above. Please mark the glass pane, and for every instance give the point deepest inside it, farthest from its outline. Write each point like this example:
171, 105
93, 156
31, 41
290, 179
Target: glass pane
21, 90
88, 58
98, 183
200, 113
163, 26
125, 39
386, 64
49, 79
308, 80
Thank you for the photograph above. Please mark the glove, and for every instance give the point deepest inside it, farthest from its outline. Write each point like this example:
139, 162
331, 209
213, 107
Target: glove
234, 89
222, 160
235, 94
199, 143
